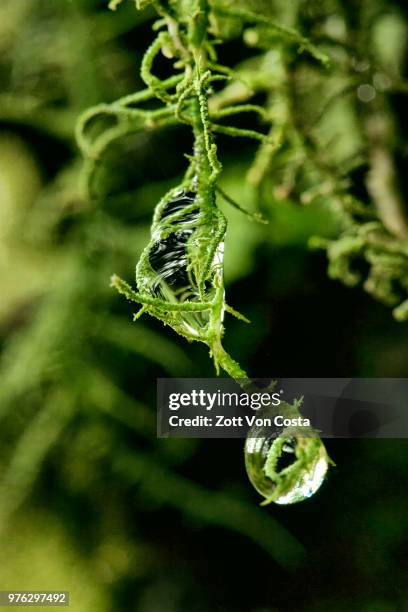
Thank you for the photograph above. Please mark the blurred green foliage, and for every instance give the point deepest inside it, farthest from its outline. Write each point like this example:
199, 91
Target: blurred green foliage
90, 500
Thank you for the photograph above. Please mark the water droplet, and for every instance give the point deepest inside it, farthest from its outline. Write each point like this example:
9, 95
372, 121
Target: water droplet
381, 81
366, 92
170, 257
285, 469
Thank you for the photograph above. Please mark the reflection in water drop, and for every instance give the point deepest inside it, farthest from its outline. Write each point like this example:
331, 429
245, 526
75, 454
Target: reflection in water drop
176, 241
168, 255
285, 469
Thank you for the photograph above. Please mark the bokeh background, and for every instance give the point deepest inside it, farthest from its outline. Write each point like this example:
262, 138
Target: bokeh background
90, 500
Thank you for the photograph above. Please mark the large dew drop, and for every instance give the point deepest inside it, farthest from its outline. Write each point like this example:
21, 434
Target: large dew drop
285, 469
175, 244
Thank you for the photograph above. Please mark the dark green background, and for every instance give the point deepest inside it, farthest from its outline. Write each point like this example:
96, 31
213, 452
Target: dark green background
90, 500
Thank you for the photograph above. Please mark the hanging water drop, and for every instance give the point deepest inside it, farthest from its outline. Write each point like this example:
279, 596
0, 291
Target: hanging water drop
168, 255
181, 249
285, 468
